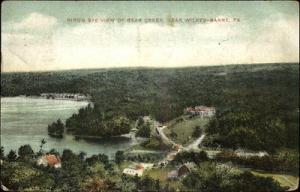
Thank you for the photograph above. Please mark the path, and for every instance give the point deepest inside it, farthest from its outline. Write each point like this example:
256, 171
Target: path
196, 143
159, 131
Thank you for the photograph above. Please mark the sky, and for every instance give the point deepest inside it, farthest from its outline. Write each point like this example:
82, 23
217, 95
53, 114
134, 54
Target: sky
42, 36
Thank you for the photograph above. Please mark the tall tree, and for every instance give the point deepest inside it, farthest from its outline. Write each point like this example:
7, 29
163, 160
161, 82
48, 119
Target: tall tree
119, 157
12, 156
25, 152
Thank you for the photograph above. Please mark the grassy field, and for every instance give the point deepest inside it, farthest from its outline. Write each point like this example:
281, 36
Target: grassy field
183, 127
285, 180
162, 175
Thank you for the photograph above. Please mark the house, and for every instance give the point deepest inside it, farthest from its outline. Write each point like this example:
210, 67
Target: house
49, 160
176, 148
133, 171
146, 119
201, 111
171, 156
186, 168
65, 96
137, 169
172, 175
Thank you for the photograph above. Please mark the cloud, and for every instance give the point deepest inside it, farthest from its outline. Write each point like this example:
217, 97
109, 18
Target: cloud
127, 45
278, 41
34, 21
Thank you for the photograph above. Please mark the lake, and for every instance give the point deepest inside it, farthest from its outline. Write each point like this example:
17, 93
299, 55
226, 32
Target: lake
24, 120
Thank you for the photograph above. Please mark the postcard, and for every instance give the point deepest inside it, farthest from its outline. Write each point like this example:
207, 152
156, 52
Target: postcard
150, 96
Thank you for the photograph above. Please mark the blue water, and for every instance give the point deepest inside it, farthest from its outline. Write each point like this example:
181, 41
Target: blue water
24, 121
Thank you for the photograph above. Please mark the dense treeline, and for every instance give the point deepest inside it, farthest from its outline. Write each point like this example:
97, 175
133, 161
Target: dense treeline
78, 173
284, 161
91, 122
251, 130
266, 95
143, 128
56, 129
98, 173
211, 178
190, 156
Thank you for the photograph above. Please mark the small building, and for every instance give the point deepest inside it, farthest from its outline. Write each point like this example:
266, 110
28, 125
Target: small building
176, 148
49, 160
171, 156
172, 175
186, 168
146, 119
133, 172
137, 169
201, 111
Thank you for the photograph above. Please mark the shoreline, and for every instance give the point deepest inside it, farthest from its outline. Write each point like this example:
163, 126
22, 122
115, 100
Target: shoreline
40, 97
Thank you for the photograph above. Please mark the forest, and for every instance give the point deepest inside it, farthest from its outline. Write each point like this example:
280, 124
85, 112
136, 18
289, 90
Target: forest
79, 172
257, 105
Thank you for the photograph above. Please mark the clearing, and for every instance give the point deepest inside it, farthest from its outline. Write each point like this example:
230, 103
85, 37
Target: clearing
180, 130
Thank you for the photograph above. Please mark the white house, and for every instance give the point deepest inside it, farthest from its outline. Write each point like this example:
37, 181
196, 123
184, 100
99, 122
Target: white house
137, 169
134, 171
201, 111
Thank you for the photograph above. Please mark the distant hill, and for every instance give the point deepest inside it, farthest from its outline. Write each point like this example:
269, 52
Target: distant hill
263, 89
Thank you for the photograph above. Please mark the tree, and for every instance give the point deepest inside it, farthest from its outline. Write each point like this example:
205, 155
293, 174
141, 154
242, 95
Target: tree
25, 152
2, 153
43, 142
96, 158
97, 169
56, 129
21, 176
82, 155
95, 184
67, 155
191, 156
120, 125
144, 131
54, 152
210, 178
12, 156
140, 121
119, 157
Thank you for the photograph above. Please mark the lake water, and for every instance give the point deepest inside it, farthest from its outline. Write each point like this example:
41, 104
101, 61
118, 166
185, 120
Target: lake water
24, 121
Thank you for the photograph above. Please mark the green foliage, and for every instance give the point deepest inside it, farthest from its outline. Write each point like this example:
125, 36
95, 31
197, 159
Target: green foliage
145, 183
94, 174
119, 125
197, 132
182, 130
155, 143
148, 184
186, 156
98, 158
251, 130
209, 178
12, 156
2, 156
144, 130
140, 121
73, 171
93, 122
25, 152
97, 169
56, 129
143, 157
286, 161
254, 109
21, 176
54, 152
119, 157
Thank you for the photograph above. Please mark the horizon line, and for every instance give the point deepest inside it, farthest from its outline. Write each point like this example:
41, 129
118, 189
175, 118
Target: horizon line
144, 67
